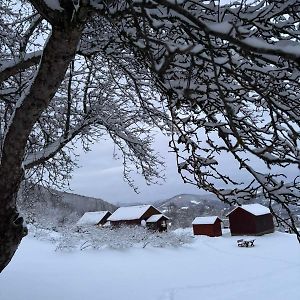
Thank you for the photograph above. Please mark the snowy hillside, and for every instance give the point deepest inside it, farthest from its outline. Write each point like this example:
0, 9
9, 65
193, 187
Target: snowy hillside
182, 209
208, 269
49, 207
187, 199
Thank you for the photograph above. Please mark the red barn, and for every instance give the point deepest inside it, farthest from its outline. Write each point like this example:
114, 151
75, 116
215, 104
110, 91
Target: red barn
157, 222
210, 226
251, 219
132, 215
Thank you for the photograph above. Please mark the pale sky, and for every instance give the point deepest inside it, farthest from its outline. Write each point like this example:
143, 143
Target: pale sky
101, 176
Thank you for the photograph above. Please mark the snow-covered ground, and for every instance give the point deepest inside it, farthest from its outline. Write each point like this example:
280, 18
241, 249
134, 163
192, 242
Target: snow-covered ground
208, 269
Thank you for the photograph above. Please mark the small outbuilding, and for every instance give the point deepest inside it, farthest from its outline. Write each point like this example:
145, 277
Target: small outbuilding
157, 222
98, 218
210, 226
132, 215
251, 219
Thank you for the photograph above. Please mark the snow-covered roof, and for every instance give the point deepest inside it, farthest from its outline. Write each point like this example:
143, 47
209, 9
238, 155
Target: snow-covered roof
129, 213
254, 209
205, 220
155, 218
92, 217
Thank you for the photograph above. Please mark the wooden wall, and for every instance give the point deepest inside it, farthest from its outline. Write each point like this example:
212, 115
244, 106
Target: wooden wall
208, 229
244, 223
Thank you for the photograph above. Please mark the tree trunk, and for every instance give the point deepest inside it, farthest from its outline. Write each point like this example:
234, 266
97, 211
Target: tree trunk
57, 55
12, 230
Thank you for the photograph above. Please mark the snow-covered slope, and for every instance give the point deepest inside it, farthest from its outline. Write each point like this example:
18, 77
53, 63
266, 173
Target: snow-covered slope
208, 269
44, 206
184, 208
187, 200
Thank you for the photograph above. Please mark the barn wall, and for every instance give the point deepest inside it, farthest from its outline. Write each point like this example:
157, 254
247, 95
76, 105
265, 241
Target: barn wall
153, 226
125, 222
203, 229
208, 229
218, 228
150, 212
242, 222
157, 225
264, 224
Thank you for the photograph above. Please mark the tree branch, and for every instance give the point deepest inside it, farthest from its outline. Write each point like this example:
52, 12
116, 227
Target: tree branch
13, 67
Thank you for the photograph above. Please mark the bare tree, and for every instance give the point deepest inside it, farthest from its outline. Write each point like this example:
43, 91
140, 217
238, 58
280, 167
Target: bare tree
84, 70
231, 75
60, 86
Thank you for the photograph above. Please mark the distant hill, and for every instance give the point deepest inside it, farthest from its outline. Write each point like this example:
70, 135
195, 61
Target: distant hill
125, 204
82, 204
50, 207
187, 199
183, 208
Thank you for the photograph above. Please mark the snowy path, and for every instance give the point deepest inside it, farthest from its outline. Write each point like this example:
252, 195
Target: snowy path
210, 268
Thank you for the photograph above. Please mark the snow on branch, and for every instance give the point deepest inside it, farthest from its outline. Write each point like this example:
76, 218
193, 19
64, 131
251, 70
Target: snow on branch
231, 74
12, 67
223, 79
37, 158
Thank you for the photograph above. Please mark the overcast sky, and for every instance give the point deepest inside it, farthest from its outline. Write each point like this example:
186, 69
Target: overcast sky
101, 176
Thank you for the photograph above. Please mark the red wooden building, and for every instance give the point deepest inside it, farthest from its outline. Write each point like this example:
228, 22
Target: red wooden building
210, 226
94, 218
251, 219
132, 215
157, 222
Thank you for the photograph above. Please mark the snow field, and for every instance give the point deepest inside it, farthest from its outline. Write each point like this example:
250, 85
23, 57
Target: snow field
209, 268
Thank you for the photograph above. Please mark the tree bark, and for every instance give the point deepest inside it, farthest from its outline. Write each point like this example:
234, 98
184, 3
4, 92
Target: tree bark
58, 53
12, 230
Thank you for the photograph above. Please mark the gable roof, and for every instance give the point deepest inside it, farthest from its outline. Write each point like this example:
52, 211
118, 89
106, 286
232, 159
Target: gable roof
155, 218
92, 217
129, 213
205, 220
254, 209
